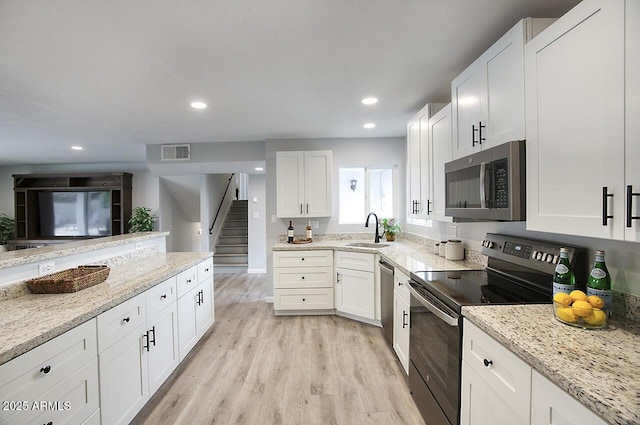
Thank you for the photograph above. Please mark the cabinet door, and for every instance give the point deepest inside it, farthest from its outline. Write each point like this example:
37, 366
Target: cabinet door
318, 168
425, 167
550, 405
413, 162
466, 92
503, 98
480, 405
355, 293
632, 111
187, 330
124, 385
575, 122
204, 308
163, 355
441, 153
401, 318
289, 184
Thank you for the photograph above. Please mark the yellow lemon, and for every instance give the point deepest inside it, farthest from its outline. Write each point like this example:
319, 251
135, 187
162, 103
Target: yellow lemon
596, 318
578, 295
582, 308
566, 314
562, 298
595, 301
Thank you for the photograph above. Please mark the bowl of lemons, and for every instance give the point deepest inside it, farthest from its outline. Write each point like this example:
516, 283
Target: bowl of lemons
578, 309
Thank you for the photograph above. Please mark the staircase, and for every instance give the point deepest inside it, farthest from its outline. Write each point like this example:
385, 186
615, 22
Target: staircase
232, 250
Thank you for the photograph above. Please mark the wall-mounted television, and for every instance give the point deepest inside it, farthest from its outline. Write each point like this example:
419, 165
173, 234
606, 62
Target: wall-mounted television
74, 214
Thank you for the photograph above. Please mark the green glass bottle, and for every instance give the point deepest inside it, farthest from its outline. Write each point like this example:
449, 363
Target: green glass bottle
563, 279
599, 282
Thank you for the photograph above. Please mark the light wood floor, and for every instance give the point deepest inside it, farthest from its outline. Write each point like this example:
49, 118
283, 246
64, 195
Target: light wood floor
255, 368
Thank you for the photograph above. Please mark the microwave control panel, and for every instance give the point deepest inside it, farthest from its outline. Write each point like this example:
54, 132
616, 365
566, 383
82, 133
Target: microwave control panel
501, 187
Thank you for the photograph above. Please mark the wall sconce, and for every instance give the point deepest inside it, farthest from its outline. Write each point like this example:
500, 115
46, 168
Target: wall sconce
354, 182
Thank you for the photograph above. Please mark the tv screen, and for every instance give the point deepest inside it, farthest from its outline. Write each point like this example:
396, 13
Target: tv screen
69, 214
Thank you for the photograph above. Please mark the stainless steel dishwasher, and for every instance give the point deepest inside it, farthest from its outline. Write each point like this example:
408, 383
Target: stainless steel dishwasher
386, 300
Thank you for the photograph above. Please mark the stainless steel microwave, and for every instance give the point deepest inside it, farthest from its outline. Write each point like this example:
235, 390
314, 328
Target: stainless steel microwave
487, 185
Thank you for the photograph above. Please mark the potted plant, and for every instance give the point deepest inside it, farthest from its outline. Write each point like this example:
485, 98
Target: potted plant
391, 228
141, 220
7, 230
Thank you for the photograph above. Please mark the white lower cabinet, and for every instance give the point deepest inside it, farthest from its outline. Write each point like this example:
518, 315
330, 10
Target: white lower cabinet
195, 312
401, 318
163, 355
355, 284
550, 405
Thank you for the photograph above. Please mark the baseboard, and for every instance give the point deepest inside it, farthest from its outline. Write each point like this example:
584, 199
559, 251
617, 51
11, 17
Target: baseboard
250, 271
269, 300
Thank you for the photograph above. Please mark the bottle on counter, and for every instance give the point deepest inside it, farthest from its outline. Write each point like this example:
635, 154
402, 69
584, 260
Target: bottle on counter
563, 279
309, 232
599, 281
290, 233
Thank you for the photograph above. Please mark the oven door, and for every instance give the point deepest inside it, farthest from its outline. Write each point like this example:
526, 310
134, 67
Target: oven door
435, 353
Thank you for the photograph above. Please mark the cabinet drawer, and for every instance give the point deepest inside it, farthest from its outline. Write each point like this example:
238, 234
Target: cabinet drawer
187, 280
401, 287
313, 277
29, 376
303, 259
205, 269
161, 296
503, 371
355, 261
303, 299
119, 321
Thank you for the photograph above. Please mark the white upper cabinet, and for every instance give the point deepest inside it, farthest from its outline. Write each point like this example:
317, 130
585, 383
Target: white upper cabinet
441, 149
632, 131
575, 104
488, 97
303, 184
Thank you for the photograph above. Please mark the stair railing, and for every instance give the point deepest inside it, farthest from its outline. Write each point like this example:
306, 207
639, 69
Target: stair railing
220, 206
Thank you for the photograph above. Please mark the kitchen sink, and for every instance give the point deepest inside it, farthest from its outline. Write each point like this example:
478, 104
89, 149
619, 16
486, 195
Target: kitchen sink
367, 244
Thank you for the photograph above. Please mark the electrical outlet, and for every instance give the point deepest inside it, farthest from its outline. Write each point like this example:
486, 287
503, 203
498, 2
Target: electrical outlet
274, 218
453, 231
47, 267
313, 224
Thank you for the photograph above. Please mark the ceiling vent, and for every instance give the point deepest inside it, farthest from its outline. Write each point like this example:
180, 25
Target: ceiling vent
176, 152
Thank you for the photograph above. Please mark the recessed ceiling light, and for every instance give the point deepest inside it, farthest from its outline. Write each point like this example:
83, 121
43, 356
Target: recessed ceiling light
259, 169
369, 100
198, 105
77, 148
369, 125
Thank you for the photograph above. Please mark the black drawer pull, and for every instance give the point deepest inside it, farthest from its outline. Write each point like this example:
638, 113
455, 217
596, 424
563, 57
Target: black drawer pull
126, 319
488, 363
163, 296
605, 205
304, 299
45, 369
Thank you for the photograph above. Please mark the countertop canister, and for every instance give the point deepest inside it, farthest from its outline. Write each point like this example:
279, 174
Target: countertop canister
441, 248
454, 250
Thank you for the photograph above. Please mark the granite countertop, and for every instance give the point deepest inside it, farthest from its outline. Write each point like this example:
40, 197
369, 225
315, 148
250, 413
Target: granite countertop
402, 254
34, 319
49, 252
597, 367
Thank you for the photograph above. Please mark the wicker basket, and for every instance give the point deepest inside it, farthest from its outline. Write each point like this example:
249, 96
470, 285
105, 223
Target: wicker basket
70, 280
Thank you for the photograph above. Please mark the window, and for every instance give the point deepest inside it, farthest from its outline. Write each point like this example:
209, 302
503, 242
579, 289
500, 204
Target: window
363, 190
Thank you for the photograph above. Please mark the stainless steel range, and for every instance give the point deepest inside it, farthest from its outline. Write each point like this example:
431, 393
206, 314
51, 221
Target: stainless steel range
519, 271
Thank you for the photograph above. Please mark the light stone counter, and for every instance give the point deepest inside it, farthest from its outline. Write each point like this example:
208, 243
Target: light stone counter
33, 319
402, 254
597, 367
49, 252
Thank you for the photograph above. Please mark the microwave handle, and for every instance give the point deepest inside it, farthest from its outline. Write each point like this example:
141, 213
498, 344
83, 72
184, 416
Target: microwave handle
483, 171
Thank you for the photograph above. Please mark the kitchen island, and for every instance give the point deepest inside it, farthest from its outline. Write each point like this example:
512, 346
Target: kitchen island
597, 367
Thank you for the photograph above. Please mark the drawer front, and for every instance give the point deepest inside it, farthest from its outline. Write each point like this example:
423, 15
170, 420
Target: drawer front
401, 287
303, 259
303, 299
114, 324
355, 261
187, 280
313, 277
503, 371
161, 296
205, 270
31, 375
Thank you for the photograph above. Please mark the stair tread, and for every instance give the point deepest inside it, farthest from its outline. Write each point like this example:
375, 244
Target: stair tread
235, 245
230, 255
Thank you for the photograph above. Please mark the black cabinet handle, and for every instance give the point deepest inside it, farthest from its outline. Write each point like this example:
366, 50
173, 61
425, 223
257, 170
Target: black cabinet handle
48, 423
153, 341
304, 299
428, 207
145, 344
337, 277
630, 196
302, 277
45, 369
163, 296
404, 316
300, 208
474, 130
488, 363
480, 127
307, 208
188, 280
605, 205
126, 319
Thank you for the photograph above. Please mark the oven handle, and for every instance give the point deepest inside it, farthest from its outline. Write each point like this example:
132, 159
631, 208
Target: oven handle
483, 171
451, 321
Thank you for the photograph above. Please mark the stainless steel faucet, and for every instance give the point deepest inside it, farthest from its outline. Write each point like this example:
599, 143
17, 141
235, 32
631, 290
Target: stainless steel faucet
366, 224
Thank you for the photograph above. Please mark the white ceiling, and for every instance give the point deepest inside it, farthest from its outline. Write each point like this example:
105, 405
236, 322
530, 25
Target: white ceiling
115, 75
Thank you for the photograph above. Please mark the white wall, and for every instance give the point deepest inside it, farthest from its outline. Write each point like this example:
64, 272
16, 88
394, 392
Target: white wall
257, 223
